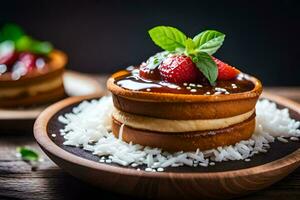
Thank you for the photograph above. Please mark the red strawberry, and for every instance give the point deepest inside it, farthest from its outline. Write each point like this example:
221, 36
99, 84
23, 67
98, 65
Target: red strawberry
8, 56
148, 73
178, 69
8, 59
28, 59
225, 71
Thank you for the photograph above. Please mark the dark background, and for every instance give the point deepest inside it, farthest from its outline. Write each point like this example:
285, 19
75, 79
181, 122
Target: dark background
263, 37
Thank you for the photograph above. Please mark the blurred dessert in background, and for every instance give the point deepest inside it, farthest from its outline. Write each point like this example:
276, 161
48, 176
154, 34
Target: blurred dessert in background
31, 71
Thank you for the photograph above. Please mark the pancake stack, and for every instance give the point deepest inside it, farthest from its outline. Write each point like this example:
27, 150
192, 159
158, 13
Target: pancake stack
37, 87
187, 122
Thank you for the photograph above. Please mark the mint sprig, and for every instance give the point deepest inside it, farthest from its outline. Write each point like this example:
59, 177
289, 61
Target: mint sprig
22, 41
199, 49
26, 43
11, 32
190, 47
168, 38
207, 66
28, 154
209, 41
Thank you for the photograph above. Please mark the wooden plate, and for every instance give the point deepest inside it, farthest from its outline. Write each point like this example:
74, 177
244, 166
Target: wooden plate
222, 181
76, 84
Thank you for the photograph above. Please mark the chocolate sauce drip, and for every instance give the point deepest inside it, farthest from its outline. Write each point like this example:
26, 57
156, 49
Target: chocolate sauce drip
132, 81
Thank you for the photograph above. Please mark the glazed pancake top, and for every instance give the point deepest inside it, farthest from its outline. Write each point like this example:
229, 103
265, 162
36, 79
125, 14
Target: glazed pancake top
54, 66
131, 80
160, 99
127, 84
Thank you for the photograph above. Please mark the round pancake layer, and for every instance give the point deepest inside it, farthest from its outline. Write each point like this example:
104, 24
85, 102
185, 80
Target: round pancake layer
187, 141
40, 98
167, 125
183, 106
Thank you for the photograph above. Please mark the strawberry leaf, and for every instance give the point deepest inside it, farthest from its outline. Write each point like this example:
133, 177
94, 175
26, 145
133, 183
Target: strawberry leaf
168, 38
209, 41
207, 66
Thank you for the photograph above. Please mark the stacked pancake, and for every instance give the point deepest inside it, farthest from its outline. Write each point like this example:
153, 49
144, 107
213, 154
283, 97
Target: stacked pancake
187, 122
37, 87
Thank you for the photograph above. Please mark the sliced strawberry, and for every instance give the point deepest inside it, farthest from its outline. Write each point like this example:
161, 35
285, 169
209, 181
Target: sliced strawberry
28, 59
178, 69
149, 73
8, 56
8, 59
225, 71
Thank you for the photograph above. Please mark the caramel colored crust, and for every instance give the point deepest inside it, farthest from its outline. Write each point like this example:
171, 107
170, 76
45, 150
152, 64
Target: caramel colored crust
183, 106
54, 67
188, 141
40, 98
185, 110
170, 97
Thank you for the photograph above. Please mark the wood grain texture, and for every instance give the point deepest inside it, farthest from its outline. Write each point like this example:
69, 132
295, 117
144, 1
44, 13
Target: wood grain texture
50, 182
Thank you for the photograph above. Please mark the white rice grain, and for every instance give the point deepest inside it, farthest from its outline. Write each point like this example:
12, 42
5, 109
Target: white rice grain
294, 139
91, 121
281, 139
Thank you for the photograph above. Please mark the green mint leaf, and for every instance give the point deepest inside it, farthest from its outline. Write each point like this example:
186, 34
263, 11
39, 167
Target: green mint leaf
207, 66
41, 47
28, 154
168, 38
189, 46
11, 32
209, 41
23, 43
26, 43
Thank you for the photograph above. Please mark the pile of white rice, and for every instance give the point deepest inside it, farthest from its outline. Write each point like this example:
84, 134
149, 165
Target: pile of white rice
88, 127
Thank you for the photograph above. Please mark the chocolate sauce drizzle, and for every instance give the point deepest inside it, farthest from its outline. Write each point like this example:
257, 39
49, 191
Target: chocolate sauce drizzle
132, 81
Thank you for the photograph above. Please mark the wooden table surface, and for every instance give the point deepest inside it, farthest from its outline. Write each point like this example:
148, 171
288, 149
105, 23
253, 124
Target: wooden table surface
17, 181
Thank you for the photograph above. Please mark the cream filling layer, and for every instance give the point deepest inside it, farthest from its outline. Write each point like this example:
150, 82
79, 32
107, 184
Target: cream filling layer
166, 125
31, 90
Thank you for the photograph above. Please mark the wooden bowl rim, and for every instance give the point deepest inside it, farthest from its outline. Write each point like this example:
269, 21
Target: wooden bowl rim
169, 97
40, 134
57, 61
